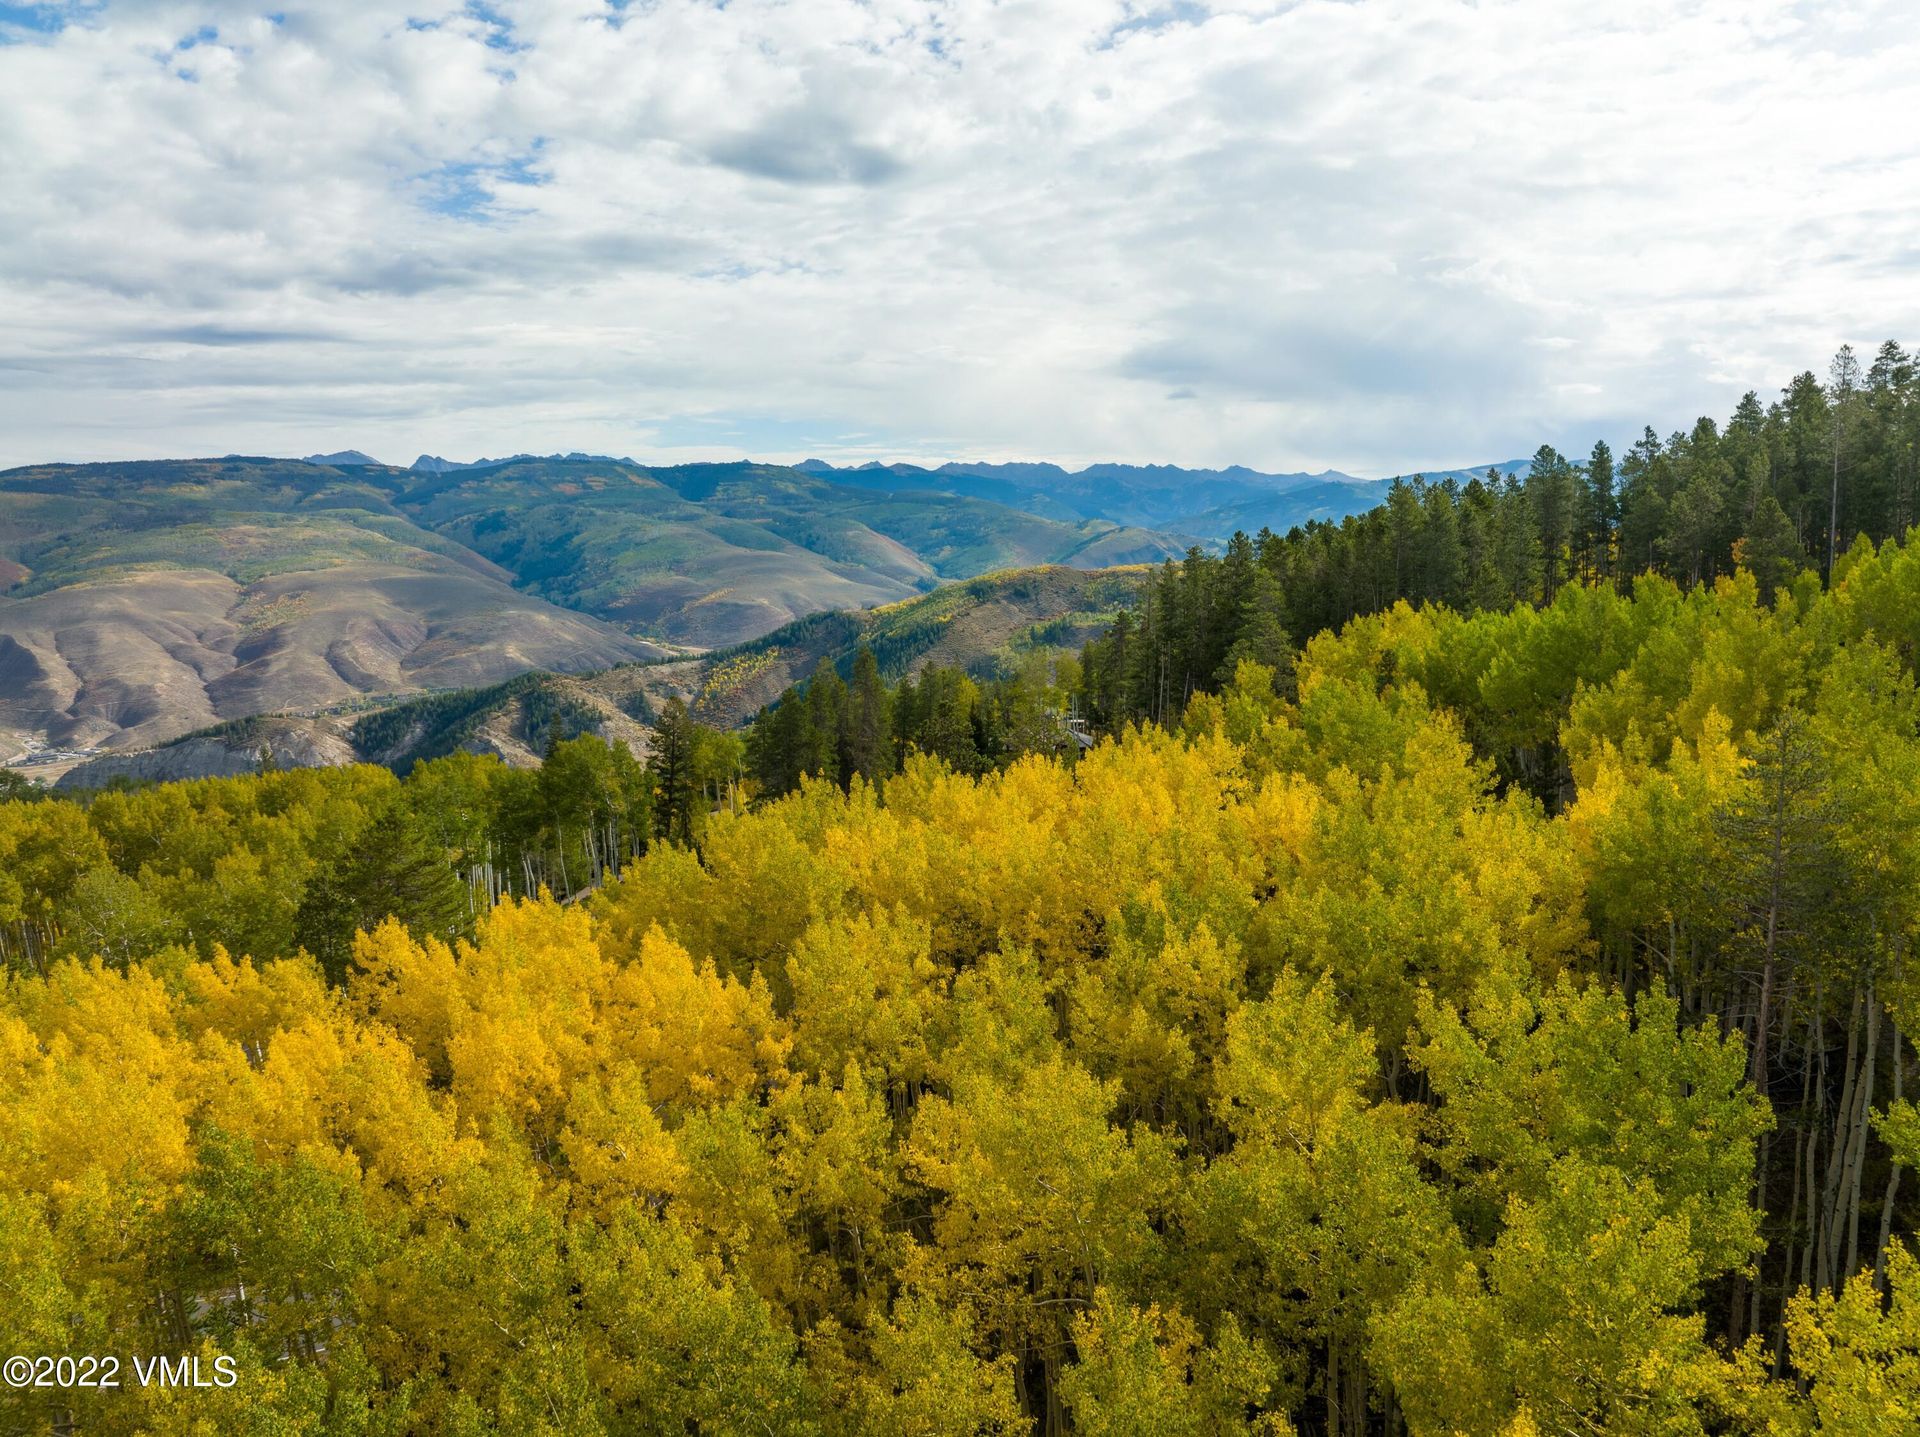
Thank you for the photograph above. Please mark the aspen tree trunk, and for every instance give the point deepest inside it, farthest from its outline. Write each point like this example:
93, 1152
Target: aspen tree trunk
1332, 1384
1833, 1188
1744, 1312
1893, 1181
1775, 875
1801, 1177
1816, 1034
1861, 1126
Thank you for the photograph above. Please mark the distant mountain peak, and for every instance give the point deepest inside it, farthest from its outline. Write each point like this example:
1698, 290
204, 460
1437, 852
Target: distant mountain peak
345, 459
434, 464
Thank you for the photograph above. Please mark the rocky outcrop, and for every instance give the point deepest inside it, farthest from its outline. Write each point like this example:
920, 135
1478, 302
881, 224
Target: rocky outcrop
252, 748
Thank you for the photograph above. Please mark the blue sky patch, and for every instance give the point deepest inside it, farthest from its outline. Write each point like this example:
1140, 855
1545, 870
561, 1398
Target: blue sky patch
499, 27
1159, 17
466, 190
35, 19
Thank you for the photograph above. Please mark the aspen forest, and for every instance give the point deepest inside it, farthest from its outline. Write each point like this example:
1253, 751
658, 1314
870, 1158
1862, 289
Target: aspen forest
1447, 972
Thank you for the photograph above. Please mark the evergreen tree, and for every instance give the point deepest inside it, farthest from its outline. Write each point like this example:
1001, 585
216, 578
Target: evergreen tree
1480, 546
390, 869
1105, 666
1843, 389
775, 744
1439, 575
907, 716
1643, 507
1603, 510
868, 742
949, 727
820, 736
1803, 452
672, 761
1770, 550
1260, 635
1551, 497
1518, 539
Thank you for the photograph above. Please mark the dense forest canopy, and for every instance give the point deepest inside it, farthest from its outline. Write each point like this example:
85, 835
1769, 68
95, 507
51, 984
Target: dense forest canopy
1489, 1016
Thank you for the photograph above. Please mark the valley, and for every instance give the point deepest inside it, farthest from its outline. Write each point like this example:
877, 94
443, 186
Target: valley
975, 625
140, 602
147, 601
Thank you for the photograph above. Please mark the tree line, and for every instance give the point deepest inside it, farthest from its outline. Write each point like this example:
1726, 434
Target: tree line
1779, 489
840, 730
1779, 485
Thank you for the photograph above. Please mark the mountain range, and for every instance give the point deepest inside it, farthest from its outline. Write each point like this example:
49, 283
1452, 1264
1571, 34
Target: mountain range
1209, 505
143, 601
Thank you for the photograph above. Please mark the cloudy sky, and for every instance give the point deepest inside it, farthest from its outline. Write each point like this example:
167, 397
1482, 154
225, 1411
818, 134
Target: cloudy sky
1376, 236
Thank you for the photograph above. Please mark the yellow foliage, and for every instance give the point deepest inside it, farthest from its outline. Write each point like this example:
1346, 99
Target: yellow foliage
695, 1037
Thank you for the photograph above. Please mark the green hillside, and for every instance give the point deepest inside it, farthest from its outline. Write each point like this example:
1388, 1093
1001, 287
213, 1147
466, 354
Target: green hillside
978, 626
712, 554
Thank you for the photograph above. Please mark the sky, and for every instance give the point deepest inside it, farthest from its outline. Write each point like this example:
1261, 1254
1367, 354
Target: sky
1376, 236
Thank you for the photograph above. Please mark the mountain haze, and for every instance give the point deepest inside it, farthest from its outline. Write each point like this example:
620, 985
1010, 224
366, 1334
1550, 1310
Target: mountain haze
1209, 505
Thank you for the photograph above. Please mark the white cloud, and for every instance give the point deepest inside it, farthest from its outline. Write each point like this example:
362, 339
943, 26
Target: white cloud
1371, 235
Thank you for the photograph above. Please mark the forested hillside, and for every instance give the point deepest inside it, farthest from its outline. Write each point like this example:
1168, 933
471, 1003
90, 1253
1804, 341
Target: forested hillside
1294, 1067
1779, 491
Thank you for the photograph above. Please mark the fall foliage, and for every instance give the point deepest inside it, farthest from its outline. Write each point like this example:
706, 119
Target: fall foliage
1499, 1025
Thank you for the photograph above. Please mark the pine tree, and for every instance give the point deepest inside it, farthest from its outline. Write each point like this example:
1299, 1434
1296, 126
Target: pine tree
672, 762
820, 739
1770, 550
774, 744
950, 728
1603, 509
1550, 496
1439, 576
867, 744
1260, 635
1519, 539
1842, 388
391, 869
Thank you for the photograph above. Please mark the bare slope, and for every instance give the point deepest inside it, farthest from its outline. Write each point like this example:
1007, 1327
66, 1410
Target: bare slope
148, 600
976, 625
134, 659
716, 554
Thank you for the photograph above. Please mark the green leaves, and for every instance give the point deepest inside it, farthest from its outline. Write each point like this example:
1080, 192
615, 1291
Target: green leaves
1526, 1085
1575, 1316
